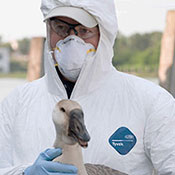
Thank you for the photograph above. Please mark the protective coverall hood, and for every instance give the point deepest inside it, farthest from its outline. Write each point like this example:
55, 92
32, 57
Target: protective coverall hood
100, 66
131, 121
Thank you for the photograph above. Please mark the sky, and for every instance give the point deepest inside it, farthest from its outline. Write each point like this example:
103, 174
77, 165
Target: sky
23, 18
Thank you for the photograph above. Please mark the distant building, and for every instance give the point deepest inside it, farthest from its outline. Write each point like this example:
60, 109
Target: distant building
4, 60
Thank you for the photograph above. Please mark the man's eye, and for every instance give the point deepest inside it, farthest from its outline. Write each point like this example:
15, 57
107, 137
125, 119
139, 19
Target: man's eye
83, 30
60, 27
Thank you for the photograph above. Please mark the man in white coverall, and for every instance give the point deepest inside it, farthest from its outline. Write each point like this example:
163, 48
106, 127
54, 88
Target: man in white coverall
131, 121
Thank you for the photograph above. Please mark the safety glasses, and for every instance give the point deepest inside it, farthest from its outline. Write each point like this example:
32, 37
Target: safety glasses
63, 29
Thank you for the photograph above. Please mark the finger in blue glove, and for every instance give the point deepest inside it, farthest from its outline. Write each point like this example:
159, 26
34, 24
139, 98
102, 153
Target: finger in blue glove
45, 166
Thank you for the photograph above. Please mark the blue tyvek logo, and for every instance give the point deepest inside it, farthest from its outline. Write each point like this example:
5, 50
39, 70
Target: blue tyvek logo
123, 140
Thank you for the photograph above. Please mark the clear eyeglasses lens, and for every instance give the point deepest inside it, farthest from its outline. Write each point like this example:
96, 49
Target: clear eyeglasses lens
59, 28
63, 29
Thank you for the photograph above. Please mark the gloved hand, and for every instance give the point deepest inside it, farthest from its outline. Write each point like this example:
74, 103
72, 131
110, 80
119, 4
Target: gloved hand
45, 166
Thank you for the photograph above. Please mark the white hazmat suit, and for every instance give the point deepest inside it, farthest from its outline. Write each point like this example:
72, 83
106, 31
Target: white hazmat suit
131, 121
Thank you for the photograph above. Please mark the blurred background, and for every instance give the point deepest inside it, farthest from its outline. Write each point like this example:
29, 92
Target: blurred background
145, 45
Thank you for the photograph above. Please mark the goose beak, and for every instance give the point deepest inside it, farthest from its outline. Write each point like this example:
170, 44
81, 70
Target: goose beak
77, 128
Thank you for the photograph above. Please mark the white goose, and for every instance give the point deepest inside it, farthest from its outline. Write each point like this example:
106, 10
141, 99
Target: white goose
71, 135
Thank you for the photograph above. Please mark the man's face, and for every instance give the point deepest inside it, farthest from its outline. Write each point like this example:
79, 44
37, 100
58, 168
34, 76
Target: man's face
93, 39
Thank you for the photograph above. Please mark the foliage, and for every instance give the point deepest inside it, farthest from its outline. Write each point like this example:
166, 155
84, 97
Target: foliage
24, 46
6, 45
137, 53
18, 66
18, 74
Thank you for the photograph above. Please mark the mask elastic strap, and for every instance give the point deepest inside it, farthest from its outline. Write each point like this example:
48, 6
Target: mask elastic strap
57, 48
56, 67
91, 50
56, 64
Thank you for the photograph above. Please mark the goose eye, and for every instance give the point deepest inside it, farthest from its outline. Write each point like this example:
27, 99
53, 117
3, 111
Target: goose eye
62, 109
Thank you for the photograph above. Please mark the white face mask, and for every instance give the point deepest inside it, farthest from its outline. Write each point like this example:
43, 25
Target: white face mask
71, 54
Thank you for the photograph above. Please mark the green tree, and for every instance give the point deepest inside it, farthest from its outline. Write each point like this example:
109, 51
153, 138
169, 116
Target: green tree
138, 52
24, 46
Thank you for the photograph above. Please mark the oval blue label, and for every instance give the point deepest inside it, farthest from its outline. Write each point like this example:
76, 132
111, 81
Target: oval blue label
123, 140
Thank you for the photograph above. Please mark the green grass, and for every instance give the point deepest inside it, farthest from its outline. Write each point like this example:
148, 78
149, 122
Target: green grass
14, 75
145, 71
146, 74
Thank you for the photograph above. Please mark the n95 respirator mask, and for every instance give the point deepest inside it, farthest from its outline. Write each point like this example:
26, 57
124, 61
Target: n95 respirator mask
70, 54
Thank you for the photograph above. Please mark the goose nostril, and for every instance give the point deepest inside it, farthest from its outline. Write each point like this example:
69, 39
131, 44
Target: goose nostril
62, 109
77, 129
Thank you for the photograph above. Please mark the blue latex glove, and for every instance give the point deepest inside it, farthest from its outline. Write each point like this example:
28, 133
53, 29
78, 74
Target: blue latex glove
45, 166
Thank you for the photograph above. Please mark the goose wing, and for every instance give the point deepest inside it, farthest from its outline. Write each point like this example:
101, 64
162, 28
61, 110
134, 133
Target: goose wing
101, 170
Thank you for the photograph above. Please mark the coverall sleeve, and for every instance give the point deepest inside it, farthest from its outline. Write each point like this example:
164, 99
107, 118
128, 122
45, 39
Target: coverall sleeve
8, 110
159, 136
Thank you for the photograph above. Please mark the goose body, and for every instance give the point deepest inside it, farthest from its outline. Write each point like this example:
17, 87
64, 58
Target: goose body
71, 135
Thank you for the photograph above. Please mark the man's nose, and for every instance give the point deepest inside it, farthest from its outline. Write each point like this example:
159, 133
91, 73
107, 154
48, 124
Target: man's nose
73, 32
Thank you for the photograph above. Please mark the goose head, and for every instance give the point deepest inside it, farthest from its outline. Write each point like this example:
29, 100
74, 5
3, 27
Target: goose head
69, 123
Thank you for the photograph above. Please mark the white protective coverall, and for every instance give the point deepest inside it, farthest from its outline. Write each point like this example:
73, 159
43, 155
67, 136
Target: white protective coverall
131, 121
